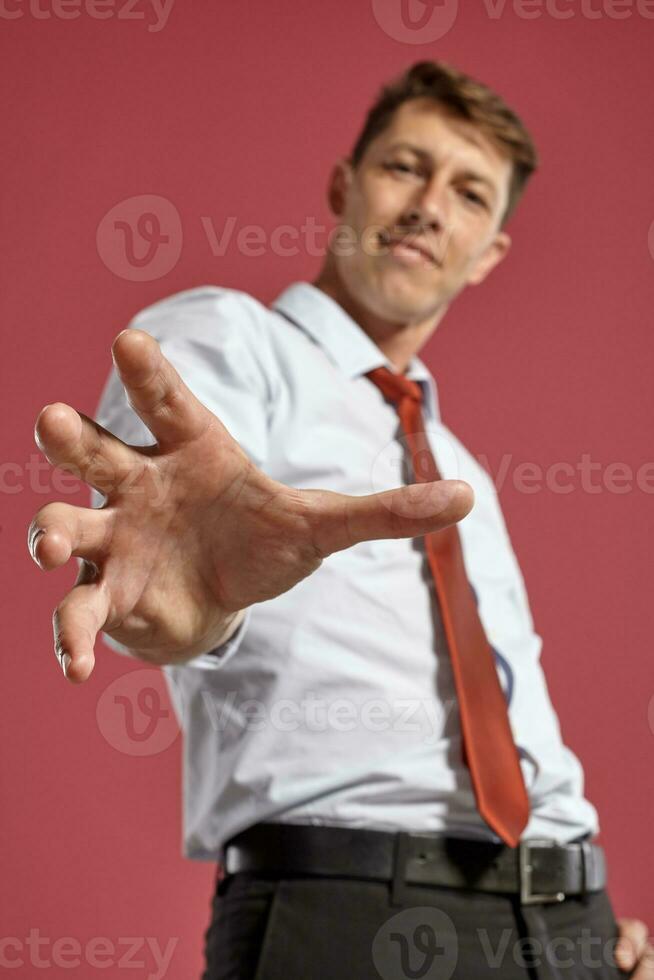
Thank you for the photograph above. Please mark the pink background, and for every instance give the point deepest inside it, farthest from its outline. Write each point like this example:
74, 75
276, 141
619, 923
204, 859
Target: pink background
239, 110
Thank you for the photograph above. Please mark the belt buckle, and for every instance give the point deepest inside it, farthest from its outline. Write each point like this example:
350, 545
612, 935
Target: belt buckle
527, 896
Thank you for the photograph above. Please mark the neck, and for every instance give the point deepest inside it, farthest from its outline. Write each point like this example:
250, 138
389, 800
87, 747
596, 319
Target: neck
398, 340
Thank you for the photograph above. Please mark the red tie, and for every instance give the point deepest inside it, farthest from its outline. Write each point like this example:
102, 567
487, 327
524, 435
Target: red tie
489, 750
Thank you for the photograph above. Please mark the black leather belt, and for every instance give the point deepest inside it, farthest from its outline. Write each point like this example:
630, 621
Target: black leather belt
538, 870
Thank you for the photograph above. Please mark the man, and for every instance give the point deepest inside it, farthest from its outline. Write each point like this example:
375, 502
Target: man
371, 756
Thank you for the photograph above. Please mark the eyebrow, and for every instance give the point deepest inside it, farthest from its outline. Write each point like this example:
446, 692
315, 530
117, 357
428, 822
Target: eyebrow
467, 174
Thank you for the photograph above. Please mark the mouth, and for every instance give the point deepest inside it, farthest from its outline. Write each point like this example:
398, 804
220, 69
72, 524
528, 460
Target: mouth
408, 248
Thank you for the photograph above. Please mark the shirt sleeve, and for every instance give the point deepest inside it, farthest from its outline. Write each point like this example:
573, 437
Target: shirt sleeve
217, 340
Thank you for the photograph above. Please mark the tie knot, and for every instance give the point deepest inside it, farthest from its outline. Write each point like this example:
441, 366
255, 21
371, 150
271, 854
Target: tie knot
395, 386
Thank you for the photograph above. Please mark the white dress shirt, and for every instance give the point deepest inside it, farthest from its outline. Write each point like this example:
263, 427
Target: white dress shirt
335, 702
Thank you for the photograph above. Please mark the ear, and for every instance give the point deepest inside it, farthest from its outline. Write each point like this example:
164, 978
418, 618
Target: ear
339, 182
490, 257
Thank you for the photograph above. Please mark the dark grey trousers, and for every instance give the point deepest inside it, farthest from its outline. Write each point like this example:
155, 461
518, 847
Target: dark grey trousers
310, 928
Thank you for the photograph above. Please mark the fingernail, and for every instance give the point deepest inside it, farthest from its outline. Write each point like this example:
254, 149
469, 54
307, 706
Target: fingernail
65, 663
39, 534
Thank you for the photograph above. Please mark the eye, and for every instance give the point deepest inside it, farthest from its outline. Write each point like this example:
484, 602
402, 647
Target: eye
474, 198
404, 168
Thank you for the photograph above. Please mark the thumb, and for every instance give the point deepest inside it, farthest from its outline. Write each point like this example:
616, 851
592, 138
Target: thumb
406, 512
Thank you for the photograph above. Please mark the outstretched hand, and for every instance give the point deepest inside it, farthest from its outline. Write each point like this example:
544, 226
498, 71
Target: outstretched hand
191, 532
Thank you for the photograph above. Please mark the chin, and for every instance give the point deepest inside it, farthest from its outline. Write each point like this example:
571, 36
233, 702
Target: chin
390, 294
395, 308
406, 298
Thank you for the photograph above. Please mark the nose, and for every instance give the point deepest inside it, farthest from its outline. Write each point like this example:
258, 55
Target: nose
428, 209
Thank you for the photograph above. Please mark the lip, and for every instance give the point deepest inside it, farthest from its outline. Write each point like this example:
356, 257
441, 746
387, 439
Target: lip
404, 246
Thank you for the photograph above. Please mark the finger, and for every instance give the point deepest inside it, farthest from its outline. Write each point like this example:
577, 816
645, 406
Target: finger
638, 962
82, 446
645, 970
645, 965
632, 944
405, 512
76, 623
60, 530
156, 391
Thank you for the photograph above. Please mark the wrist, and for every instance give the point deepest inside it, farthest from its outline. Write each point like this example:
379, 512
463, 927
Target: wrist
207, 644
229, 627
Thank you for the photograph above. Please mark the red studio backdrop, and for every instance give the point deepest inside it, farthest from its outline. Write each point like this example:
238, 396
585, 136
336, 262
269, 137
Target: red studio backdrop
219, 118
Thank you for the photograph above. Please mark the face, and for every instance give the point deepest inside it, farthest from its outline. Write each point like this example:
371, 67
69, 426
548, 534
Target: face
439, 184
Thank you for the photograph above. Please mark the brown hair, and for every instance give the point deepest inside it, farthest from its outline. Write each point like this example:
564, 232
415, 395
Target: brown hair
465, 98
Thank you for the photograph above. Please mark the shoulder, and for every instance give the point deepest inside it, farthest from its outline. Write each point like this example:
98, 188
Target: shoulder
215, 330
215, 310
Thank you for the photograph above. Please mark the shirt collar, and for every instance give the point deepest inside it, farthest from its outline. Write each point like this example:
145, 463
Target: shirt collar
343, 340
